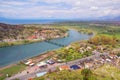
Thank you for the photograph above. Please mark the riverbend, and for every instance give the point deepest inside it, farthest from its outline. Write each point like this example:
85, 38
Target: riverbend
8, 54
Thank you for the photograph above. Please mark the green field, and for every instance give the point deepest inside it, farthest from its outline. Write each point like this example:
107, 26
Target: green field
11, 70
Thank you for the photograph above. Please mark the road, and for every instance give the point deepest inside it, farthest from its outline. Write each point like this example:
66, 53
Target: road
32, 71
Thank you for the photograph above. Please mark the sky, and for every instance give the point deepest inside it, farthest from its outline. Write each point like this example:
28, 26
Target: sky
59, 9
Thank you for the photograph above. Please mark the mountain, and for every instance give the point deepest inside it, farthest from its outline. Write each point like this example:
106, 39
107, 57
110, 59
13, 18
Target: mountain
109, 18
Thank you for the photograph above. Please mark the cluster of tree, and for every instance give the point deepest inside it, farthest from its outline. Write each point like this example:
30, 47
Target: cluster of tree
86, 31
8, 31
118, 54
71, 54
87, 74
110, 28
104, 40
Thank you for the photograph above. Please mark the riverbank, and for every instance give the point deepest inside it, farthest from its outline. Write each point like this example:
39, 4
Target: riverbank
26, 51
26, 34
51, 53
35, 58
41, 56
46, 54
77, 50
11, 69
32, 72
8, 44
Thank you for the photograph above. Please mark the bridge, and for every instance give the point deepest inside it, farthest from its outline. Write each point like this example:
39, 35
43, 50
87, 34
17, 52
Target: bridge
55, 43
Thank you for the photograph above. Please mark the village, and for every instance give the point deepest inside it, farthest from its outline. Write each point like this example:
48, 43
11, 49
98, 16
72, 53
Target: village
40, 35
86, 54
39, 67
59, 39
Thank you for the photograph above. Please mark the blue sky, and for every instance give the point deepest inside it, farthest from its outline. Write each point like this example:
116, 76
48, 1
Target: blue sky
59, 9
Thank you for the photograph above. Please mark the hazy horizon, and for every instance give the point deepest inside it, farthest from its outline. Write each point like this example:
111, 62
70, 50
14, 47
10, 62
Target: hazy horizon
11, 10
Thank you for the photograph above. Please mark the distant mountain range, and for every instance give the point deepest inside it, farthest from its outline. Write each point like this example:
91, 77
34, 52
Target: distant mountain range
48, 21
110, 18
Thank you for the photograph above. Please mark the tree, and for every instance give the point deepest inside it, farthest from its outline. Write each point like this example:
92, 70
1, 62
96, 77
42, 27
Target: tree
86, 74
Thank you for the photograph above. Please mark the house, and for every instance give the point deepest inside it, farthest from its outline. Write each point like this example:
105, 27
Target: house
112, 56
69, 46
95, 52
51, 61
42, 64
108, 60
88, 48
81, 51
74, 67
30, 79
100, 48
40, 74
64, 68
32, 64
59, 61
32, 37
28, 62
88, 65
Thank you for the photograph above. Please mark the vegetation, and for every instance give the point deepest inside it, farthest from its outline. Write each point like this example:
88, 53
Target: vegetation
107, 72
104, 40
86, 31
23, 31
80, 49
118, 54
103, 73
11, 70
14, 31
99, 28
5, 44
107, 34
71, 54
23, 34
87, 74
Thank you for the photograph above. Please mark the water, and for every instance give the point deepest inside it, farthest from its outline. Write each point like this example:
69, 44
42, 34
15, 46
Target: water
28, 21
14, 54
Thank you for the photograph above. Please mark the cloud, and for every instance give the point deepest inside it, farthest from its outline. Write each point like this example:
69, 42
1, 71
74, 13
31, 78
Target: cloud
93, 8
38, 9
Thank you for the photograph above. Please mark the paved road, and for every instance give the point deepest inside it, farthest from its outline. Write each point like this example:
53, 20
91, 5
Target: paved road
32, 72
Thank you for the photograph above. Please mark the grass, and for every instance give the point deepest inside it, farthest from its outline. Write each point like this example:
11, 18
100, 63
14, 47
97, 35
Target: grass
107, 72
117, 35
71, 54
11, 70
6, 44
62, 75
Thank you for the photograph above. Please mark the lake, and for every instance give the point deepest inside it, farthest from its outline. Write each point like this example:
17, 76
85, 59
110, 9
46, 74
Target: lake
13, 54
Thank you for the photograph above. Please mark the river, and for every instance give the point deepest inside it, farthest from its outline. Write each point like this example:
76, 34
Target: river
13, 54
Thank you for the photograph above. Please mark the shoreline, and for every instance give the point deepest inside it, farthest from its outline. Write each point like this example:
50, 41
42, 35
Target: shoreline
27, 58
40, 54
9, 44
46, 54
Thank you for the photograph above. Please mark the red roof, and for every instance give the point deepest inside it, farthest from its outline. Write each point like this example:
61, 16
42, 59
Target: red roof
32, 37
64, 67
